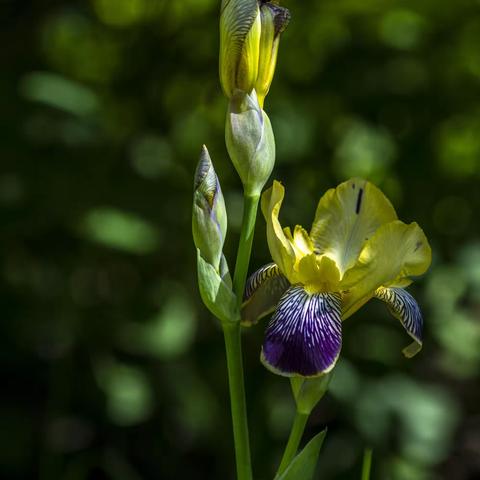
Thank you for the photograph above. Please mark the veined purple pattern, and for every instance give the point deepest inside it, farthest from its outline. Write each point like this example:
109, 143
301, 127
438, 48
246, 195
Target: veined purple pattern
403, 306
304, 336
263, 291
257, 278
262, 275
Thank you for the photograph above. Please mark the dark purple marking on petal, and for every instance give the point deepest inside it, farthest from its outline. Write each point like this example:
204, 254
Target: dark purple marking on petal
405, 308
304, 336
359, 201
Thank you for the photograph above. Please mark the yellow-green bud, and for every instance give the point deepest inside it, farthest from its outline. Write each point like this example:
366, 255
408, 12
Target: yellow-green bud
249, 36
209, 219
240, 27
250, 141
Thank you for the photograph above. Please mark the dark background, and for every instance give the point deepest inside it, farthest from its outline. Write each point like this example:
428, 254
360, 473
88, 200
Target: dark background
111, 367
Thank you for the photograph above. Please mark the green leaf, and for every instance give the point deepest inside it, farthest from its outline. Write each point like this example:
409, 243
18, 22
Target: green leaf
303, 465
367, 463
216, 292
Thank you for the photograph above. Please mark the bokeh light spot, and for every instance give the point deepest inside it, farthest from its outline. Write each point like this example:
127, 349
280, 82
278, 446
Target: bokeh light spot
171, 332
75, 46
128, 390
363, 151
152, 156
402, 28
121, 230
458, 146
59, 92
468, 51
120, 13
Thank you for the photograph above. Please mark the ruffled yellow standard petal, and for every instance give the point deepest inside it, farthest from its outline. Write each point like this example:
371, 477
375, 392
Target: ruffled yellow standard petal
389, 258
294, 253
280, 246
318, 274
300, 241
346, 217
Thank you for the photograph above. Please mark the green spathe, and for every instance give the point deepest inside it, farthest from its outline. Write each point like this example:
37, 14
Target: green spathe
250, 141
309, 391
216, 290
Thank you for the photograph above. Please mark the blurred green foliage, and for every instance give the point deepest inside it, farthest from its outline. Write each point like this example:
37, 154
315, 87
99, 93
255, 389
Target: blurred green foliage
111, 366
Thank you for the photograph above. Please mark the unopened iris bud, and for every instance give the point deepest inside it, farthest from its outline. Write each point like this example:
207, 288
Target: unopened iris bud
250, 142
274, 21
209, 220
249, 37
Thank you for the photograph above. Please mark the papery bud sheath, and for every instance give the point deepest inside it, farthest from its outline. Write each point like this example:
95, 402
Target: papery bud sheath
250, 142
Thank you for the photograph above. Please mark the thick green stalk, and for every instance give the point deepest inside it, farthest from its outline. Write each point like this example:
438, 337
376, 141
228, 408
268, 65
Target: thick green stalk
233, 346
293, 441
367, 464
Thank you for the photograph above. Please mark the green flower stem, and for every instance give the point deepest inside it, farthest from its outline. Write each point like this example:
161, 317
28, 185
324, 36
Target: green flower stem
367, 464
250, 206
293, 441
233, 346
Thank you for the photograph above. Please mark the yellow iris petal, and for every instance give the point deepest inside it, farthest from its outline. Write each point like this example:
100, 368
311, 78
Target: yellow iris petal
346, 218
301, 242
268, 54
280, 246
394, 253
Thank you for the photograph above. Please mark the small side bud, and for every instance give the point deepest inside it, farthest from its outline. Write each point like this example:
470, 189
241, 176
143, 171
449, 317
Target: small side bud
209, 219
250, 141
240, 27
274, 21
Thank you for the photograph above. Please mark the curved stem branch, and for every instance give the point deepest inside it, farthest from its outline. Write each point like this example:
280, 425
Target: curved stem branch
296, 434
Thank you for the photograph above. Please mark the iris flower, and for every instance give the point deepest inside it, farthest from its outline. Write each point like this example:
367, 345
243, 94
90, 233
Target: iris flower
356, 250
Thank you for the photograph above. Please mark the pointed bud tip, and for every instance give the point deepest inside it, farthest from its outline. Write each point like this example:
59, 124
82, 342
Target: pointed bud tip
206, 181
203, 167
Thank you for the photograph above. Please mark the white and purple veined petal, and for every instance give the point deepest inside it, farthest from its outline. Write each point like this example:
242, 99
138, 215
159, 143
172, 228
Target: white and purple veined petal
304, 336
263, 291
405, 308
